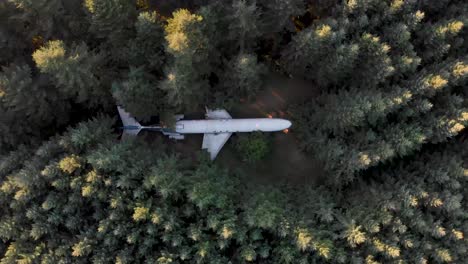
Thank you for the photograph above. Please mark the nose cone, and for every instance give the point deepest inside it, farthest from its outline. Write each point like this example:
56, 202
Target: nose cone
271, 124
285, 124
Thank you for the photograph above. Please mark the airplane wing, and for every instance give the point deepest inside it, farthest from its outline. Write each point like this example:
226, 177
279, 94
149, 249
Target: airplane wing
214, 142
217, 114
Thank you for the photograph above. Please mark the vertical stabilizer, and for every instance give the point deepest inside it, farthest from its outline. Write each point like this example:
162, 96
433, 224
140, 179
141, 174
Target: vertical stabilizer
130, 125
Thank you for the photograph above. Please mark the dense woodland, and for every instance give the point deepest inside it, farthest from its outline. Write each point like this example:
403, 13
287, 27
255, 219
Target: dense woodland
388, 126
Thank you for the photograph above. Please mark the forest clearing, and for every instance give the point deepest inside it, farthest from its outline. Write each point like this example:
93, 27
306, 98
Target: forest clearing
286, 162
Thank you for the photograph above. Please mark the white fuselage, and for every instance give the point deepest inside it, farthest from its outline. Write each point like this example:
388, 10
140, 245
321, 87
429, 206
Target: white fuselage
231, 125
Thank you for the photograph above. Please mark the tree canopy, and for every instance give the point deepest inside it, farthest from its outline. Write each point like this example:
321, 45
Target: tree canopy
383, 113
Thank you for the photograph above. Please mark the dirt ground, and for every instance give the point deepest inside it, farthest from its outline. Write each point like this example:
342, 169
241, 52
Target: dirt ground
286, 162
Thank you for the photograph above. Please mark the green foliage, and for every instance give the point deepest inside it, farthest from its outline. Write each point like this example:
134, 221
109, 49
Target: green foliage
147, 48
392, 110
111, 19
253, 147
181, 30
185, 81
310, 47
48, 18
394, 94
26, 108
212, 187
117, 201
245, 24
74, 70
267, 209
11, 44
363, 45
175, 209
416, 200
278, 14
184, 87
243, 79
351, 131
442, 38
139, 94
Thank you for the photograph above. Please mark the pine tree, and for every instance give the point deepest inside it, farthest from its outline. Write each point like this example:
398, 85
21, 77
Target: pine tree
418, 213
243, 77
84, 196
29, 110
354, 124
349, 49
442, 38
140, 95
49, 19
321, 54
186, 81
74, 70
147, 48
111, 20
244, 24
278, 14
12, 42
388, 126
344, 111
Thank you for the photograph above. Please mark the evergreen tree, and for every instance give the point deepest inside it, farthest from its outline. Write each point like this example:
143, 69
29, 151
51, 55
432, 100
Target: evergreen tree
278, 15
321, 46
147, 48
74, 70
243, 78
244, 24
351, 132
29, 108
442, 38
81, 197
420, 213
11, 44
140, 95
388, 127
49, 19
111, 20
349, 49
186, 77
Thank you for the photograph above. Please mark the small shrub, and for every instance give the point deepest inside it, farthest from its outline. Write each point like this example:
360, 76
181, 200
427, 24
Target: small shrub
253, 147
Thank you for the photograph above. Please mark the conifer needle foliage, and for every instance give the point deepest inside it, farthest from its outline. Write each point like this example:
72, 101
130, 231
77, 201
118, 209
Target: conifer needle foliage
386, 121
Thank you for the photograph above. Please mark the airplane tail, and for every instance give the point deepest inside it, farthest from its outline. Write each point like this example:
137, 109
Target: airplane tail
130, 125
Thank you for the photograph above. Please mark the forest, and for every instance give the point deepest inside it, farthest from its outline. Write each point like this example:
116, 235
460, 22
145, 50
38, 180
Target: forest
373, 170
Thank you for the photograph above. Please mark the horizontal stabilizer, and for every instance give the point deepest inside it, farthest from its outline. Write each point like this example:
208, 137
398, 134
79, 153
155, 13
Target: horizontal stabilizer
130, 125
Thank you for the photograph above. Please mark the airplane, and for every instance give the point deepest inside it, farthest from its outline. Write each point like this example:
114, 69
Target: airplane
217, 127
